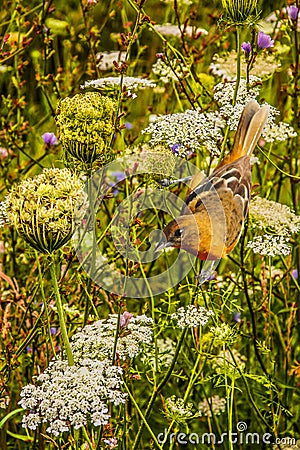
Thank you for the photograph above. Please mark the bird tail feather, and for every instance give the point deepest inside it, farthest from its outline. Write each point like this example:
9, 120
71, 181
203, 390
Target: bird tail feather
251, 124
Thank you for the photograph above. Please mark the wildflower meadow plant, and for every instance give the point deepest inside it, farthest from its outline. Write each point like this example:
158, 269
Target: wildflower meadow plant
109, 110
85, 124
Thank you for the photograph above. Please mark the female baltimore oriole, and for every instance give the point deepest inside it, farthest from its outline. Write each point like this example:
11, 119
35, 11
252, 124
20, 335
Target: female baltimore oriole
215, 208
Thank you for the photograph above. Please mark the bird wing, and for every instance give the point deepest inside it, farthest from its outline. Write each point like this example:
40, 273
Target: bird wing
225, 195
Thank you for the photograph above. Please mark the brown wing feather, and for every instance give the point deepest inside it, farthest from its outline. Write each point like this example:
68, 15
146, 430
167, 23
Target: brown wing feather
228, 187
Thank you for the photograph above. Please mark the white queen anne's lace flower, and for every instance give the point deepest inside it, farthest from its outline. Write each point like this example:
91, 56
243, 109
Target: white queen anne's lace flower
270, 245
97, 340
229, 362
187, 132
67, 396
131, 83
277, 223
178, 409
191, 316
168, 29
3, 215
274, 216
224, 93
212, 406
169, 70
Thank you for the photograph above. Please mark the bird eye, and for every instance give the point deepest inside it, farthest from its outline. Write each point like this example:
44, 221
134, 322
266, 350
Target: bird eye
178, 232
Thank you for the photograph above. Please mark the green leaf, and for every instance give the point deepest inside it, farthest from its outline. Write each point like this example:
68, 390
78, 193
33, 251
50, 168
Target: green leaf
11, 414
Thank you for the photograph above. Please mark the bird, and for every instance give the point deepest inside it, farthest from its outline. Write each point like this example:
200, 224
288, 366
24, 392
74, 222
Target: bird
215, 208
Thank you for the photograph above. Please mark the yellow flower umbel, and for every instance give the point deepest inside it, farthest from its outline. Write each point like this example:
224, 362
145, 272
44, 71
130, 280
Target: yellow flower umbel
239, 11
85, 124
42, 208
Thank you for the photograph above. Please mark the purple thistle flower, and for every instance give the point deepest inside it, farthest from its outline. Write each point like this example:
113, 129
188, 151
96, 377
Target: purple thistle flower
49, 139
292, 12
246, 47
264, 40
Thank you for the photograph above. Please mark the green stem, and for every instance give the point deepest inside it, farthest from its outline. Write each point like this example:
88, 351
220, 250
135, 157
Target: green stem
86, 436
238, 65
158, 390
60, 312
44, 301
143, 417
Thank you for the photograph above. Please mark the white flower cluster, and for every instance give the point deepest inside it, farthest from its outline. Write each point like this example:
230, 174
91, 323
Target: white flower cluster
97, 339
168, 29
187, 132
169, 71
280, 131
277, 222
270, 245
191, 316
225, 66
161, 356
213, 406
224, 93
131, 83
230, 363
223, 333
67, 396
3, 215
106, 59
278, 218
177, 409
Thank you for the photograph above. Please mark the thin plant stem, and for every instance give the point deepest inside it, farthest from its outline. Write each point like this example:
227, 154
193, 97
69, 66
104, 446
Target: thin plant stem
60, 311
143, 417
238, 65
158, 390
44, 300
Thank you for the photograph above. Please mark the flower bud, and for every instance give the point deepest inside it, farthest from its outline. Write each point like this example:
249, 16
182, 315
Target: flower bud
42, 208
238, 11
85, 124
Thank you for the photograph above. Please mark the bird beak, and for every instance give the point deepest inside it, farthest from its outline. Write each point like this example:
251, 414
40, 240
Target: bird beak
163, 243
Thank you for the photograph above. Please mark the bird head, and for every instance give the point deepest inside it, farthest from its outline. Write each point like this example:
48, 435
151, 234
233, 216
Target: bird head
195, 235
181, 233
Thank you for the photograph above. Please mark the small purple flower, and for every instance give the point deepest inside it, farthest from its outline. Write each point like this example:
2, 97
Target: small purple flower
53, 331
175, 148
246, 47
125, 319
295, 274
264, 40
292, 12
120, 176
237, 317
49, 139
128, 125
